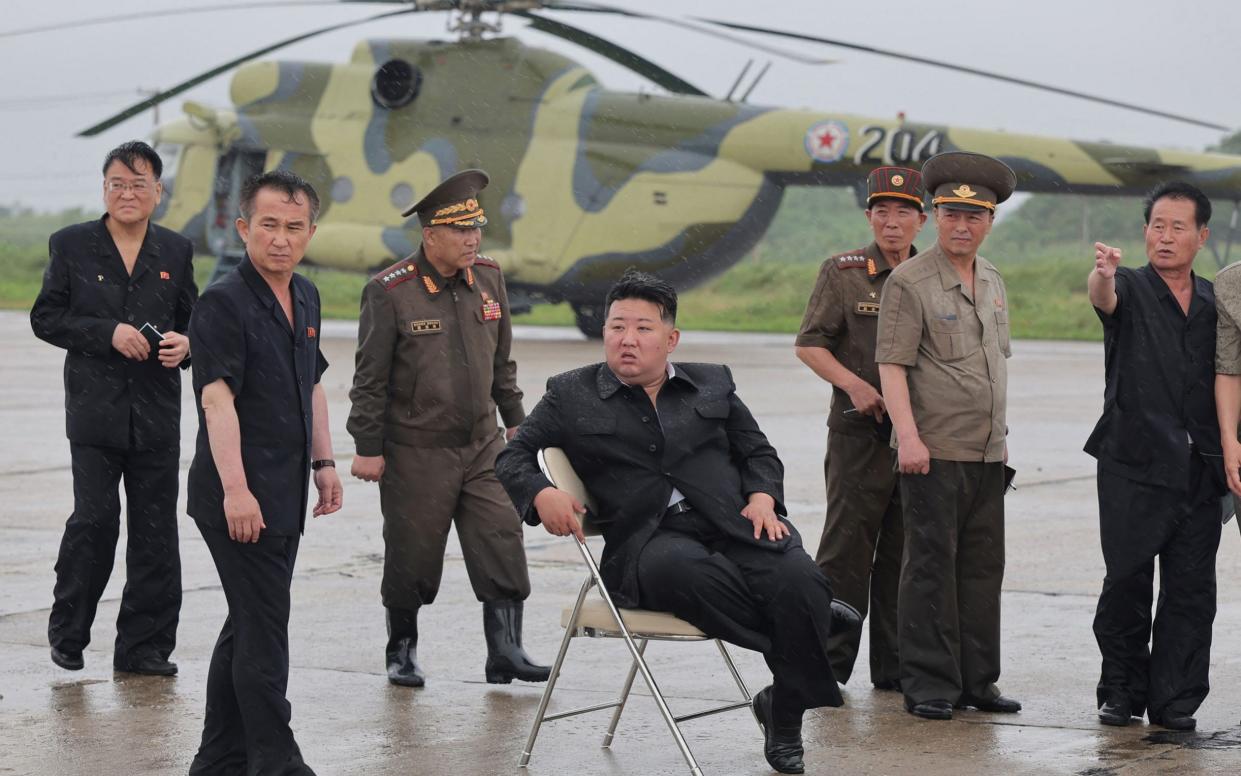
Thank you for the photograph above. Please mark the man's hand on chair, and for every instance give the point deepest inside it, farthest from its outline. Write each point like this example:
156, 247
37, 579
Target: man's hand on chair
559, 512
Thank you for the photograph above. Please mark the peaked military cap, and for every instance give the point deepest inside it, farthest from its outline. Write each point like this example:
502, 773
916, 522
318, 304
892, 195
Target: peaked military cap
966, 181
894, 183
454, 202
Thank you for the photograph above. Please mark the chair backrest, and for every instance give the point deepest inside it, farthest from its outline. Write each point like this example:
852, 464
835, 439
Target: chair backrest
555, 464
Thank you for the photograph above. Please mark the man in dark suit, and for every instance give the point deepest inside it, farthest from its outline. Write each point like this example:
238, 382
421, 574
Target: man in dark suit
689, 494
262, 434
105, 280
1160, 473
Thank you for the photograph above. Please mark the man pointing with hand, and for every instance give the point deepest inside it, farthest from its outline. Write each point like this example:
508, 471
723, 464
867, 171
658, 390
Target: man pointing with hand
1159, 472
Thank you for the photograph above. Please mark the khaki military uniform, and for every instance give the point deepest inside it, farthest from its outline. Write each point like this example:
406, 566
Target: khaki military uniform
860, 549
1228, 322
953, 343
432, 367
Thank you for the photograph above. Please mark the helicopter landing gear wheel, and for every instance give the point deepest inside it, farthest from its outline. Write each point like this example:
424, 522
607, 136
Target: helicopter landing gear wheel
589, 319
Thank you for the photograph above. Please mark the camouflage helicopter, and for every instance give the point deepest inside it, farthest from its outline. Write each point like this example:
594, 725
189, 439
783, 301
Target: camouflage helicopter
585, 181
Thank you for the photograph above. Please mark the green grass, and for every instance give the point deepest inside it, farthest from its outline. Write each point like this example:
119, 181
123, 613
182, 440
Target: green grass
1047, 293
1043, 250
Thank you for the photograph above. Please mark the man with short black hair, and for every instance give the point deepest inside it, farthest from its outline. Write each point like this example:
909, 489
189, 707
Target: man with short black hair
690, 502
262, 435
1159, 472
117, 296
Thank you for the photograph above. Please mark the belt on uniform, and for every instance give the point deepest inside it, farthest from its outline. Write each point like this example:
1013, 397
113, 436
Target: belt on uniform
681, 506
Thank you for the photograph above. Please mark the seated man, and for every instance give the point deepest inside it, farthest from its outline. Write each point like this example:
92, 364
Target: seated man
689, 495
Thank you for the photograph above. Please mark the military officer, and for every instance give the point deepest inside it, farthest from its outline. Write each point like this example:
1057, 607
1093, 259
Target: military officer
860, 550
942, 344
433, 365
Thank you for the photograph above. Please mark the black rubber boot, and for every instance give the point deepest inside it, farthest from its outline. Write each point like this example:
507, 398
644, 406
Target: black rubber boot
506, 660
402, 649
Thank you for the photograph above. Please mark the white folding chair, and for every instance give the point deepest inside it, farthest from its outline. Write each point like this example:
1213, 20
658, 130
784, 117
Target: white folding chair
602, 619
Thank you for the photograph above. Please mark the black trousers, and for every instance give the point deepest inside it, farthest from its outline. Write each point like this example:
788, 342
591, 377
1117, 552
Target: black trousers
1137, 522
861, 547
949, 607
776, 603
246, 730
151, 600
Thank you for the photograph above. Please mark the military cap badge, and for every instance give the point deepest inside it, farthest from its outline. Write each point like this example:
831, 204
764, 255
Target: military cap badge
967, 181
899, 183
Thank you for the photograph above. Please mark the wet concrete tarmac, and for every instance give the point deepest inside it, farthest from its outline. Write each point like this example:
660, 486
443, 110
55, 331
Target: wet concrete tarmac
348, 720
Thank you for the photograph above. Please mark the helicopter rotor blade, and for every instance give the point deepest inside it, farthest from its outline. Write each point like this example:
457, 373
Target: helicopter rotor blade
605, 48
599, 8
173, 91
158, 12
969, 70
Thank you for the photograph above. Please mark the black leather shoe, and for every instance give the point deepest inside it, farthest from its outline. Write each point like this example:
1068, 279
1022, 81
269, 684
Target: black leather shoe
998, 705
506, 658
148, 666
845, 618
70, 661
403, 668
888, 684
1176, 721
782, 744
1115, 713
933, 709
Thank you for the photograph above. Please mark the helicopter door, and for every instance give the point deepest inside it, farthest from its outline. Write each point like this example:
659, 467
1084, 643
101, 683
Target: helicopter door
235, 167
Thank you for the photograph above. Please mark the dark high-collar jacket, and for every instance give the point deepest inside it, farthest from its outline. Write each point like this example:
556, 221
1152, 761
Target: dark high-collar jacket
703, 440
1159, 394
111, 401
240, 334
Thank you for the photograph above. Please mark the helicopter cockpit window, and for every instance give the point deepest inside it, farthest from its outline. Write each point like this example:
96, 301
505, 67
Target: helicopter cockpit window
396, 84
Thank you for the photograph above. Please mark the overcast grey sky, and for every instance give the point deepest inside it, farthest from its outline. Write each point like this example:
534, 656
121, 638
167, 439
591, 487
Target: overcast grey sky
1175, 57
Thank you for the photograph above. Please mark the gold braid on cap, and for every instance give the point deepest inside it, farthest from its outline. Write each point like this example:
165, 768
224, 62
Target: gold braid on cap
898, 194
455, 219
449, 215
964, 201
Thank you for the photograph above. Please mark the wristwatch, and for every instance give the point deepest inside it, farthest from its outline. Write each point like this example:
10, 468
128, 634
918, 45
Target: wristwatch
321, 463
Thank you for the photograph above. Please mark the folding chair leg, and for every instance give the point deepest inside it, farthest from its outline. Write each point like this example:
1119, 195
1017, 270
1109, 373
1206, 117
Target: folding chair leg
732, 669
640, 662
555, 674
633, 671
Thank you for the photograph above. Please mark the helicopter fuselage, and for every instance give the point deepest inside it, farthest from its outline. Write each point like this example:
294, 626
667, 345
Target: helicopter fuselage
585, 181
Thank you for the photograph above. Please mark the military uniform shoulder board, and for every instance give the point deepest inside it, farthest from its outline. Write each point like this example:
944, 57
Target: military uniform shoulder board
484, 261
398, 273
850, 261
